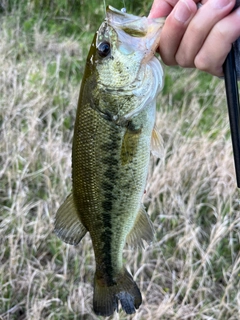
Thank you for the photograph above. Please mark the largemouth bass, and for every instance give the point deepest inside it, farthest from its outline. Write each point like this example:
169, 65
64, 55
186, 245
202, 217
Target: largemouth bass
111, 150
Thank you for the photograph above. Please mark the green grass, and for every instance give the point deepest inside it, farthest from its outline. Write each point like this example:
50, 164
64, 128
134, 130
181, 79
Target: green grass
192, 271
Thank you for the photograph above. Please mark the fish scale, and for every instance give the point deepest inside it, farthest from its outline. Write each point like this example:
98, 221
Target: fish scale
113, 132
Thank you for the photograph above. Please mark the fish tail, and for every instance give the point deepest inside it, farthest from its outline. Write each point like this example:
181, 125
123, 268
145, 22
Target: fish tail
125, 290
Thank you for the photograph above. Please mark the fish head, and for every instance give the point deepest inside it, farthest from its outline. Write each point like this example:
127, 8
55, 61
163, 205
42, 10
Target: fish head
122, 47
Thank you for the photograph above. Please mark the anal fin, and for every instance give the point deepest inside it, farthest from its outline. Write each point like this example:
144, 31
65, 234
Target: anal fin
141, 230
68, 226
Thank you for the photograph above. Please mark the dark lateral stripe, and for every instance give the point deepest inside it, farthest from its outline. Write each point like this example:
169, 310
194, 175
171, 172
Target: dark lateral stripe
106, 238
110, 175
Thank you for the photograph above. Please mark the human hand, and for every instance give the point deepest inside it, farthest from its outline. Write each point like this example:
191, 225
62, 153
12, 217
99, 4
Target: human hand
197, 38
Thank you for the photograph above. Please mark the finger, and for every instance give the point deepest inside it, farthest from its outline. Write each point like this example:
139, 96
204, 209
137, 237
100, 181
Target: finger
218, 44
161, 8
174, 29
199, 27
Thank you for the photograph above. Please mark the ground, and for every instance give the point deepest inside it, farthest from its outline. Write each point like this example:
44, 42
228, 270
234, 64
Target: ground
192, 270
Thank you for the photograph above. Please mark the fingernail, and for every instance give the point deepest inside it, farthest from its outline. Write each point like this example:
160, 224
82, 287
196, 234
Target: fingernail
219, 4
182, 12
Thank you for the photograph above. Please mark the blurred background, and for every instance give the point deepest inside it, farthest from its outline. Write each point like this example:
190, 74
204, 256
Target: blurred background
192, 270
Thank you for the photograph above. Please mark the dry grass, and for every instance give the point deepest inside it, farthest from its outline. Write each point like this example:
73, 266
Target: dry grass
192, 271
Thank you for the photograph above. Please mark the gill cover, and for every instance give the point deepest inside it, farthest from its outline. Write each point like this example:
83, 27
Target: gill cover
124, 60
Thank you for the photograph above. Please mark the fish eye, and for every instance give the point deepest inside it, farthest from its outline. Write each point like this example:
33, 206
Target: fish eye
104, 49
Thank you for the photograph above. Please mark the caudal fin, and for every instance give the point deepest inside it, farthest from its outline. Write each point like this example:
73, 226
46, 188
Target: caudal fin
105, 298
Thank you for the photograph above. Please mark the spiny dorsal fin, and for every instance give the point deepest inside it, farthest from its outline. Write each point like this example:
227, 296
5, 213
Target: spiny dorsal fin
157, 143
68, 226
142, 230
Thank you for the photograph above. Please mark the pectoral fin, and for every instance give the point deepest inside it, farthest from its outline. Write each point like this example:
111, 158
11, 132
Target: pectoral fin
142, 230
129, 146
68, 226
157, 143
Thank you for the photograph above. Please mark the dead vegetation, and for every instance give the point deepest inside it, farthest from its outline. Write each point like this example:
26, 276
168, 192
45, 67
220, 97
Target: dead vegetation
191, 271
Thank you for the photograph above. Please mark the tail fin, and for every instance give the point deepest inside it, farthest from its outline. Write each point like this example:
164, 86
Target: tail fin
105, 298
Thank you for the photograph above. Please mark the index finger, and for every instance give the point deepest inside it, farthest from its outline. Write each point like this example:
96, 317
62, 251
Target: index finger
162, 8
174, 28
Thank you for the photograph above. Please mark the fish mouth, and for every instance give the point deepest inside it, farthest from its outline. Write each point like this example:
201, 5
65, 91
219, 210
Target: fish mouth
140, 33
133, 25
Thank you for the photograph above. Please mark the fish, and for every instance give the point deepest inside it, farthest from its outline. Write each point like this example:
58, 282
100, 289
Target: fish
114, 134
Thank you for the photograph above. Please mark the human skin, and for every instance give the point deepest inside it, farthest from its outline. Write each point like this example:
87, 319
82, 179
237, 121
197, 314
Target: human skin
199, 38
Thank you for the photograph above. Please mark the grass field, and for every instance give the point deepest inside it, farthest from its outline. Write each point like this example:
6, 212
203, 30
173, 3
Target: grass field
192, 270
